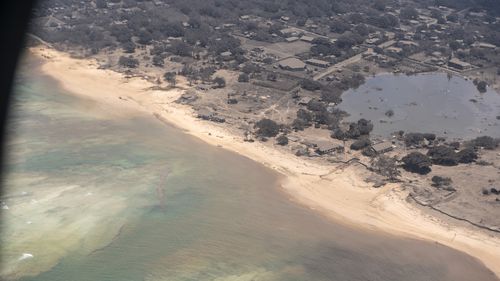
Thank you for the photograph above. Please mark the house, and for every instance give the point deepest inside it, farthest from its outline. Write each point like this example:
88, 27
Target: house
245, 17
484, 45
407, 43
320, 63
382, 147
203, 87
292, 39
394, 50
307, 39
372, 41
205, 114
208, 115
289, 31
326, 147
458, 64
304, 100
227, 55
285, 18
292, 64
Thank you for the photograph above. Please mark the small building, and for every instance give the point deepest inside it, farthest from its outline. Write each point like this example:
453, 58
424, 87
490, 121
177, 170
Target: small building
326, 147
226, 56
484, 45
320, 63
203, 87
293, 138
394, 50
292, 64
205, 114
289, 31
208, 115
372, 41
285, 18
382, 147
292, 39
304, 100
308, 39
407, 43
245, 17
458, 64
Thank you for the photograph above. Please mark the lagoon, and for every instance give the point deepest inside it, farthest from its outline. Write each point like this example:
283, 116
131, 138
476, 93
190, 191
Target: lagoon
449, 106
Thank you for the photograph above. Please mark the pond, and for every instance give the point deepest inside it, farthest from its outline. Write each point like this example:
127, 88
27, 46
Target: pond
427, 103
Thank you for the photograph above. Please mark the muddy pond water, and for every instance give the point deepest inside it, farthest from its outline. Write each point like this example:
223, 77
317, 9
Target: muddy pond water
433, 103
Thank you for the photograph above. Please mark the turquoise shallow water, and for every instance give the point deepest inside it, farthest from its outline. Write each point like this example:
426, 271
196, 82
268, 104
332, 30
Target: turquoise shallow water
86, 198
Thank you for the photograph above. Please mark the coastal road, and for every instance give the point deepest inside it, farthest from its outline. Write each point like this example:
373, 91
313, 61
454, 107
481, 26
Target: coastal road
338, 66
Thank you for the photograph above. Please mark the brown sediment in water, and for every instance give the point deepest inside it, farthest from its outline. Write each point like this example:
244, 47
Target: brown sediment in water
342, 195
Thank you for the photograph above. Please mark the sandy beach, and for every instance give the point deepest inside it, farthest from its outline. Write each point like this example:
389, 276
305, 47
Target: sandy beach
337, 192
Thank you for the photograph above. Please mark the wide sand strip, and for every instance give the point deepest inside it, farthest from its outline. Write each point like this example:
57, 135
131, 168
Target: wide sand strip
342, 194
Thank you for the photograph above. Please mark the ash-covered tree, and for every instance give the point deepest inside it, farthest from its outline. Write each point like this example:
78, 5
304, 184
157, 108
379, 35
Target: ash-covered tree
485, 142
243, 78
443, 155
220, 82
170, 78
180, 48
340, 134
158, 60
439, 181
361, 144
128, 47
331, 95
282, 140
267, 128
417, 162
129, 62
310, 85
482, 86
416, 139
467, 155
365, 126
385, 166
408, 13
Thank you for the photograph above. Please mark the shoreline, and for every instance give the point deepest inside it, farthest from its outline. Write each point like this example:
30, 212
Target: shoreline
335, 191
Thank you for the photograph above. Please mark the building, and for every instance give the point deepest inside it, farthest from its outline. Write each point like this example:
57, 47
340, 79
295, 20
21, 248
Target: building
458, 64
382, 147
320, 63
326, 147
407, 44
289, 31
484, 45
394, 50
304, 100
292, 64
307, 39
226, 54
205, 114
208, 115
292, 39
372, 41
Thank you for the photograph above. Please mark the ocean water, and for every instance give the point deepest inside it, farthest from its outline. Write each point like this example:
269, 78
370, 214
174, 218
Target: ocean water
92, 197
429, 103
